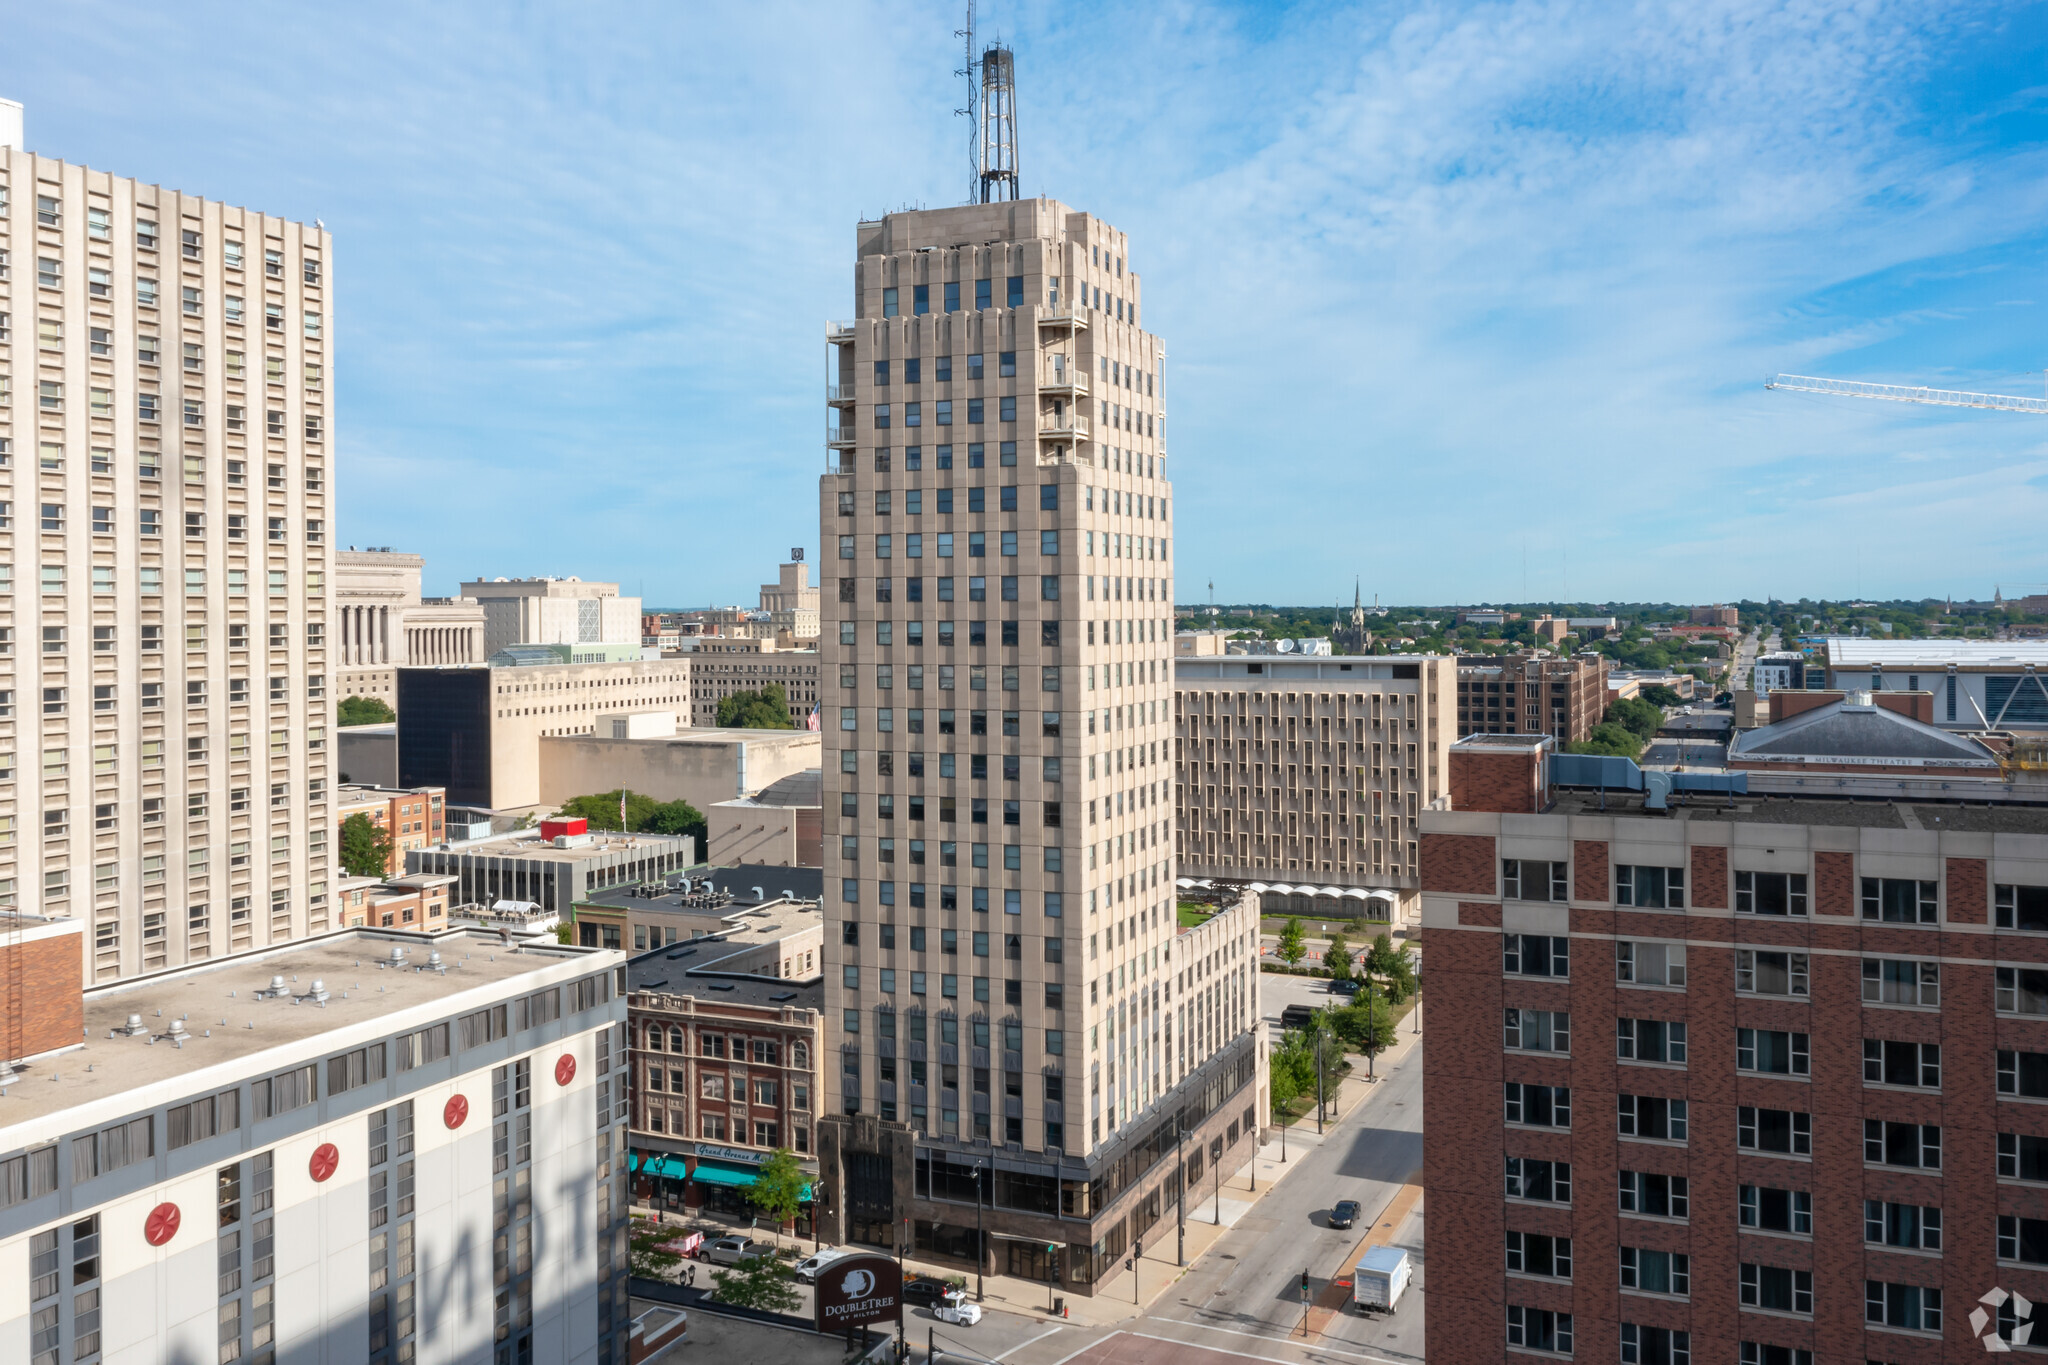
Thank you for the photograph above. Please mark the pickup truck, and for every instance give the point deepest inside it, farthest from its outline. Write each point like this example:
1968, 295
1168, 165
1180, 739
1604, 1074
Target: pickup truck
733, 1250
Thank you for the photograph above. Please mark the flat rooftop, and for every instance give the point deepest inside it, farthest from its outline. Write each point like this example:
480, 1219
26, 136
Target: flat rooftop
1850, 651
1331, 667
1503, 742
529, 846
218, 1003
673, 971
1756, 809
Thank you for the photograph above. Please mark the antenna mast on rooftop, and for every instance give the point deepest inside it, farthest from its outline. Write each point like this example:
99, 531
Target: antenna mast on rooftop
970, 70
998, 164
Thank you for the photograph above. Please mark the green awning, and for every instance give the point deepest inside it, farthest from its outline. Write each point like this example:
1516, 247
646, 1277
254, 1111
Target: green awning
710, 1174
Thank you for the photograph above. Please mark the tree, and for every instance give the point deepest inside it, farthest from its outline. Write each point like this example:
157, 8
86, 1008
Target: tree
778, 1188
679, 817
1292, 1069
365, 847
758, 1282
1657, 694
767, 709
1337, 957
1637, 716
1292, 948
651, 1255
644, 815
364, 711
1615, 741
1366, 1024
1393, 968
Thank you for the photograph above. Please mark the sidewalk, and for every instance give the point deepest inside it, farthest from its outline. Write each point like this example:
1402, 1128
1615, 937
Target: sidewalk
1157, 1272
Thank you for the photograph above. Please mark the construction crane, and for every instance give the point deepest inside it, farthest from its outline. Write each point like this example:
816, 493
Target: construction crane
1906, 393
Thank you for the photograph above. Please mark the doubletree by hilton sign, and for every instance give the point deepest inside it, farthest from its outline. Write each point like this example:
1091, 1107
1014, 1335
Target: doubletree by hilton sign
858, 1290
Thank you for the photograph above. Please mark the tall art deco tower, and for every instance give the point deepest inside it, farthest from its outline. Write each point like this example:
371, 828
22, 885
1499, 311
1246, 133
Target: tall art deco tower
1014, 1016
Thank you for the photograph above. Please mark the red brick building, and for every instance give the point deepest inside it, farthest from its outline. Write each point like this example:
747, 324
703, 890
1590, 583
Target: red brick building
1761, 1080
1532, 693
724, 1071
414, 817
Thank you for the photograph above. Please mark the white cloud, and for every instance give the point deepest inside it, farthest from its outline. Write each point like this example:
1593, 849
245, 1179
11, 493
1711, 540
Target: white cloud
1442, 288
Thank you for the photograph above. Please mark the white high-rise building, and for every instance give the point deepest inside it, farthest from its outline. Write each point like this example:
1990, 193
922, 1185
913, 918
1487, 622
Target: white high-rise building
1007, 987
166, 366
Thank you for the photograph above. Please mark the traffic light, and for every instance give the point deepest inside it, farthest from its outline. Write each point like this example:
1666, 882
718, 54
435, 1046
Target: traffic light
1138, 1250
1304, 1282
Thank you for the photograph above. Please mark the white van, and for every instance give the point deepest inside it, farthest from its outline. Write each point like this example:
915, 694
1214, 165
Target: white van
809, 1268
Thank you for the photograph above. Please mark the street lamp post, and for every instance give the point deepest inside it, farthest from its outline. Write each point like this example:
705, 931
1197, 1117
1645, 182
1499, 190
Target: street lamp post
1216, 1182
1180, 1207
980, 1243
1319, 1082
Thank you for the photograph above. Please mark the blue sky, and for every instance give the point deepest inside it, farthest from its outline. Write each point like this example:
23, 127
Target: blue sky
1471, 301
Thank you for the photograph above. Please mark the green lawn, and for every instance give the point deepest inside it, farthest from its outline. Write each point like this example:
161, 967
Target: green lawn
1193, 916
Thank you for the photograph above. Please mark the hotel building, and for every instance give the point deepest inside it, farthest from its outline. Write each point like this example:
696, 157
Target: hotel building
166, 425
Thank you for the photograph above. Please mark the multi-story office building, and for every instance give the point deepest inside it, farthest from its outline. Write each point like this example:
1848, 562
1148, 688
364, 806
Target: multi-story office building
526, 868
724, 664
1311, 772
792, 602
1532, 693
1716, 615
553, 611
478, 731
333, 1172
1755, 1079
166, 366
1005, 989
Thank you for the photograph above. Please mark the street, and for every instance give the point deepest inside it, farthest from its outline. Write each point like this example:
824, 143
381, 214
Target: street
1240, 1297
1241, 1300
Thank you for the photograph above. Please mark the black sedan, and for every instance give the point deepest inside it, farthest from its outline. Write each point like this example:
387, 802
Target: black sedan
1345, 1213
924, 1289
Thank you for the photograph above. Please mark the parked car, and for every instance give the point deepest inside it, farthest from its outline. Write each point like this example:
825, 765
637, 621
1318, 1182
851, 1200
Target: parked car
733, 1250
810, 1267
925, 1289
1344, 986
1344, 1213
956, 1307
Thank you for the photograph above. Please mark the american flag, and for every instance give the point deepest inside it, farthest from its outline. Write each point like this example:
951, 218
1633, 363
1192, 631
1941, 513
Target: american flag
811, 722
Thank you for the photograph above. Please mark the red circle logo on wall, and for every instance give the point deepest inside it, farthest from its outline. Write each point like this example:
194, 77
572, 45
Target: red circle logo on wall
325, 1158
455, 1112
161, 1225
565, 1070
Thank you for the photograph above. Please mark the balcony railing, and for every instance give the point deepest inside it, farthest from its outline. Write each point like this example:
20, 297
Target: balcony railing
1062, 428
839, 438
1063, 315
839, 332
839, 395
1072, 378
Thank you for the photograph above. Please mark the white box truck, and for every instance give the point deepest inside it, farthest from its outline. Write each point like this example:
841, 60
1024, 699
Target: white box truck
1380, 1279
